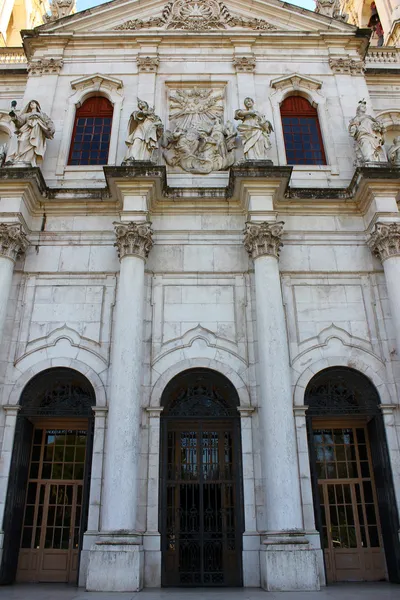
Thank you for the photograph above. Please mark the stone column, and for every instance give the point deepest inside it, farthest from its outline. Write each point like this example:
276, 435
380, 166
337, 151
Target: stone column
6, 454
385, 244
13, 242
288, 563
116, 564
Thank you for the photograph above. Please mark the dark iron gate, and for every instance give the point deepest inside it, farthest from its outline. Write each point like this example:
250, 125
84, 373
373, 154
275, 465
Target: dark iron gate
201, 483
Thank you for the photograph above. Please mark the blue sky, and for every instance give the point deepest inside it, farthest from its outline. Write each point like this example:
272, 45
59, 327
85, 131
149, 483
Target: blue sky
82, 4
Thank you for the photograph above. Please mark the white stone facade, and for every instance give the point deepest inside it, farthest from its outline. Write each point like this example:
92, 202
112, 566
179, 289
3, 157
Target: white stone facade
268, 324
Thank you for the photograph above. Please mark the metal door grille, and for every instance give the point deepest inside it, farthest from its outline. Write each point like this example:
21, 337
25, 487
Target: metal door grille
201, 523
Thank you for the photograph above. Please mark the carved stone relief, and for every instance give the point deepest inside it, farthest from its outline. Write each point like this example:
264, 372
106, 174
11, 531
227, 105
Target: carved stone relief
147, 64
385, 240
329, 8
13, 240
197, 15
200, 141
347, 65
133, 239
43, 66
263, 239
244, 64
59, 9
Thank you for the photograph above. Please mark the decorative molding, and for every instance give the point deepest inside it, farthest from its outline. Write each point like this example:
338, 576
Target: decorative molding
263, 239
96, 82
385, 240
154, 412
11, 410
134, 239
147, 64
347, 66
300, 411
295, 81
45, 66
244, 64
13, 240
388, 409
246, 411
196, 15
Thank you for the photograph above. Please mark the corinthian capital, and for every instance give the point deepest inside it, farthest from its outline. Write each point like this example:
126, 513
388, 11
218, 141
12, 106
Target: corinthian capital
264, 238
385, 240
133, 239
13, 241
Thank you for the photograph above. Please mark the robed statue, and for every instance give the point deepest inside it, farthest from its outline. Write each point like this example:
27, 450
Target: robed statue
368, 134
394, 152
254, 131
28, 144
145, 129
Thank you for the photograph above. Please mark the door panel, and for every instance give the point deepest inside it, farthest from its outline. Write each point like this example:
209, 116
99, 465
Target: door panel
351, 531
201, 535
50, 535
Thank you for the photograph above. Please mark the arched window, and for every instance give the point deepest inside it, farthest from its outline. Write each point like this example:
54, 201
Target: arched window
92, 131
301, 131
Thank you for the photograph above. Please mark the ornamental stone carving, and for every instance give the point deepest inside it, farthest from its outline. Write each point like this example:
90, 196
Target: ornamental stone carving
147, 64
59, 9
133, 239
200, 141
263, 239
329, 8
145, 129
385, 240
45, 66
254, 131
368, 134
394, 152
13, 240
244, 64
196, 15
347, 66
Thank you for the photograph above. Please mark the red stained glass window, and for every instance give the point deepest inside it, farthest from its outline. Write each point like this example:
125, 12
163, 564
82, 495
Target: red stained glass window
92, 131
301, 131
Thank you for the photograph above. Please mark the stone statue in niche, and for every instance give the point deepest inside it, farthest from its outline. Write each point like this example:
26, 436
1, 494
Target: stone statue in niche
145, 129
394, 152
368, 137
254, 131
28, 144
200, 142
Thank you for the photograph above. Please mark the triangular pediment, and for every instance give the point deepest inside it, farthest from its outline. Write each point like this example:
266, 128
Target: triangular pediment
195, 16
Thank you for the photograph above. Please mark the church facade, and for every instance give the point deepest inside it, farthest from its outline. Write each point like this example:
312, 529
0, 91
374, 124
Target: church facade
199, 296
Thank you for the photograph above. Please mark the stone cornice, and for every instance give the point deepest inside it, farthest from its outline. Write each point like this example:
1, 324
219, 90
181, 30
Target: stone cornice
263, 239
133, 239
385, 240
13, 240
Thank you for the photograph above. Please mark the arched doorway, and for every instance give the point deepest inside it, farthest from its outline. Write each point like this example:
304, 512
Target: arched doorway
47, 497
201, 500
354, 500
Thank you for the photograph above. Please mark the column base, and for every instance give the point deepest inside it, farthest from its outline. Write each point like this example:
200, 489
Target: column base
288, 563
116, 564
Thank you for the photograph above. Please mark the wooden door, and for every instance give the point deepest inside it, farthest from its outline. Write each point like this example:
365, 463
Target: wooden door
201, 533
49, 549
351, 531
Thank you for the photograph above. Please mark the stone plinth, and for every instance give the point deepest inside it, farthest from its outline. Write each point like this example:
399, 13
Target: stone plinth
288, 565
116, 566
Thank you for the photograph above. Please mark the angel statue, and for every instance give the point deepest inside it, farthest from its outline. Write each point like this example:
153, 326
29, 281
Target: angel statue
368, 136
254, 131
28, 144
145, 129
394, 152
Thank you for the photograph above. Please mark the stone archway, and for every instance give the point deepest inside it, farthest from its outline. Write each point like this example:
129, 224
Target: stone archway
201, 516
354, 501
48, 488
